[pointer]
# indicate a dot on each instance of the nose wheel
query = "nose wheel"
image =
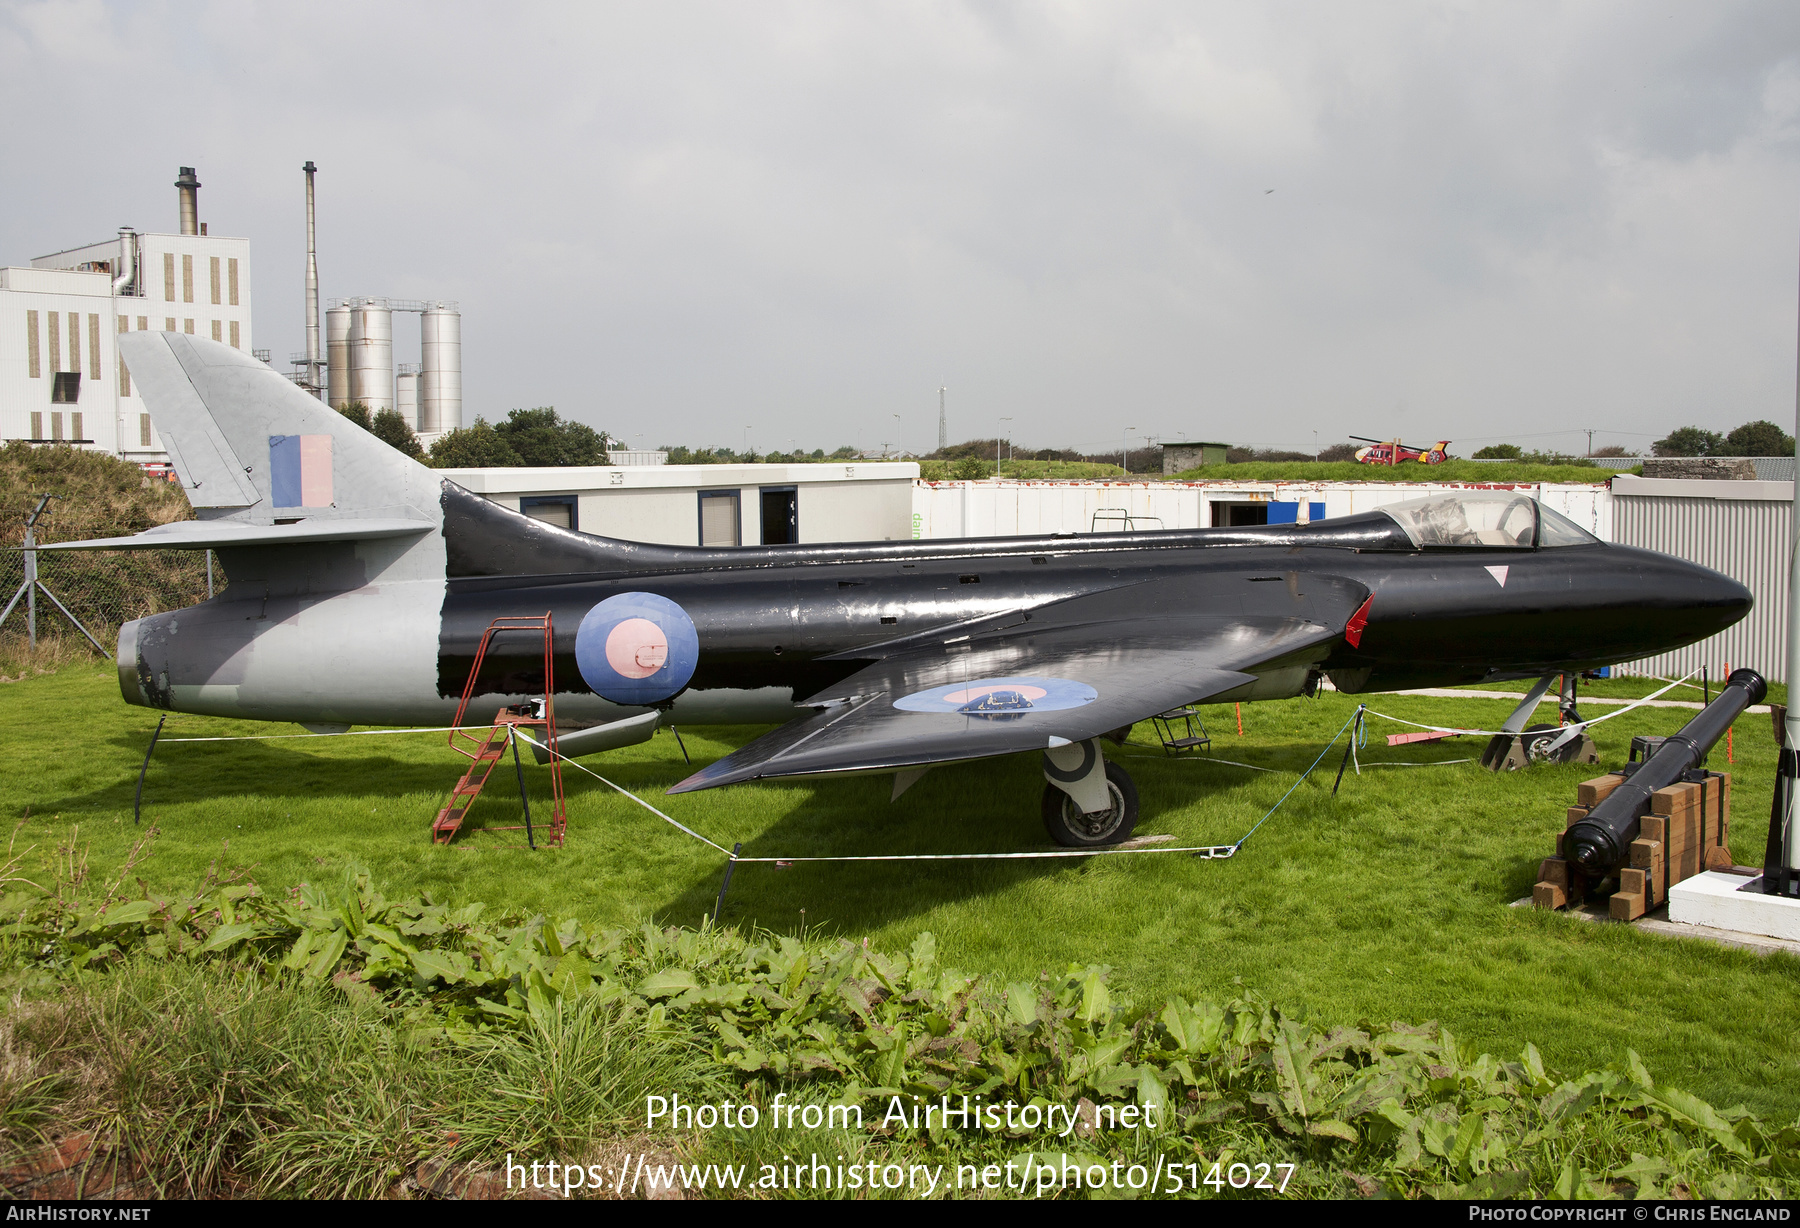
(1069, 826)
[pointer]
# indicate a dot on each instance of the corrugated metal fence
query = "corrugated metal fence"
(1747, 539)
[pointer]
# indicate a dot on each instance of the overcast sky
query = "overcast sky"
(1253, 222)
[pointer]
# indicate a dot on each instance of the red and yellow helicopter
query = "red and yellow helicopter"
(1392, 452)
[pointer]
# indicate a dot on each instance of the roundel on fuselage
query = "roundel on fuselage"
(637, 648)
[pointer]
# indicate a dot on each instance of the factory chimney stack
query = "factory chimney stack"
(312, 289)
(187, 186)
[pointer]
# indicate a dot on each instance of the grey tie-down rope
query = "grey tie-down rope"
(1569, 731)
(1206, 852)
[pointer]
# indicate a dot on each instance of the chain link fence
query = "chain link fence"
(106, 588)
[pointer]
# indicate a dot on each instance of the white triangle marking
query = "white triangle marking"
(1499, 574)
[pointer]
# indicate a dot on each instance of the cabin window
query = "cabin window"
(67, 389)
(558, 510)
(719, 518)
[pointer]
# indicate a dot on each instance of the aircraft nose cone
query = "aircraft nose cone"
(1658, 603)
(1716, 597)
(1700, 602)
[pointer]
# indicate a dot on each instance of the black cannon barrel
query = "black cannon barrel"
(1600, 842)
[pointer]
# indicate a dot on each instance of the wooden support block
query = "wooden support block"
(1624, 906)
(1559, 848)
(1645, 855)
(1593, 792)
(1639, 883)
(1554, 870)
(1679, 798)
(1576, 814)
(1718, 858)
(1550, 895)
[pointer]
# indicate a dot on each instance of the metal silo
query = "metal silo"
(372, 353)
(406, 394)
(337, 356)
(440, 375)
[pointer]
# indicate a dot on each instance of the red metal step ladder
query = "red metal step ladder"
(485, 749)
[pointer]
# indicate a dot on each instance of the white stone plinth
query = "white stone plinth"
(1713, 899)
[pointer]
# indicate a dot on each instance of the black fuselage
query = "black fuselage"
(804, 617)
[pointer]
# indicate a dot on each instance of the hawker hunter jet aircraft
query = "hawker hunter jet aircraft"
(361, 583)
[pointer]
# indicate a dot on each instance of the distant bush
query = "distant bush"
(1500, 451)
(1758, 439)
(472, 447)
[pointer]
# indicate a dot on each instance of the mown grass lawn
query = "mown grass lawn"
(1389, 901)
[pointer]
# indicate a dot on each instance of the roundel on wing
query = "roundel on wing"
(1001, 698)
(637, 648)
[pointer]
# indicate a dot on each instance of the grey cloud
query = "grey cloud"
(681, 220)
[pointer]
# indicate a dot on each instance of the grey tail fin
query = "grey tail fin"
(248, 445)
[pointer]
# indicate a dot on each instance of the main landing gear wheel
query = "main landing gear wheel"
(1536, 740)
(1068, 826)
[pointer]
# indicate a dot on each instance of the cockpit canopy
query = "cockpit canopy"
(1481, 519)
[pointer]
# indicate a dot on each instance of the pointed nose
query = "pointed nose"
(1715, 599)
(1681, 601)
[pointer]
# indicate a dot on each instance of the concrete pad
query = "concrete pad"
(1716, 900)
(1656, 921)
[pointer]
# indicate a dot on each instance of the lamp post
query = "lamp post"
(899, 443)
(1125, 450)
(997, 447)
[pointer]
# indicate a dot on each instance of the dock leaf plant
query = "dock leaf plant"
(327, 1039)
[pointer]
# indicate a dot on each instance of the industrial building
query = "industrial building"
(61, 380)
(357, 364)
(359, 361)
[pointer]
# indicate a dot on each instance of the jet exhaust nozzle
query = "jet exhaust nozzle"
(1598, 844)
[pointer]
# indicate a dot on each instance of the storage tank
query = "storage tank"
(440, 374)
(406, 394)
(372, 353)
(337, 356)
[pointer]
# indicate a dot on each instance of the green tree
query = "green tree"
(1689, 441)
(391, 429)
(970, 469)
(1500, 451)
(387, 426)
(473, 447)
(540, 437)
(1758, 439)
